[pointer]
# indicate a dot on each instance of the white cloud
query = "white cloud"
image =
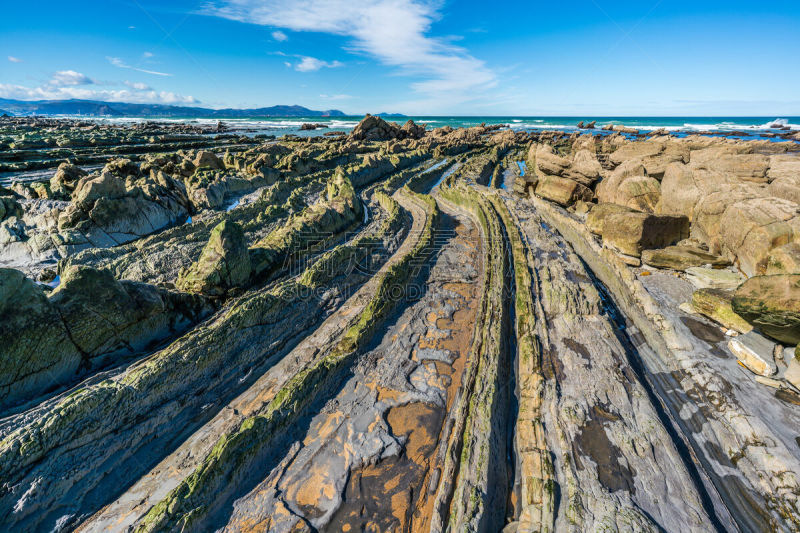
(396, 32)
(311, 64)
(138, 86)
(14, 59)
(280, 36)
(70, 78)
(118, 62)
(335, 96)
(288, 65)
(147, 55)
(50, 92)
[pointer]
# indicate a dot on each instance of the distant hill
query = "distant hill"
(120, 109)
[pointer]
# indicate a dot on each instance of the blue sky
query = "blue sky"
(592, 57)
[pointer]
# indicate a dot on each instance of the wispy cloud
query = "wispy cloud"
(280, 36)
(335, 96)
(64, 78)
(396, 32)
(118, 62)
(311, 64)
(14, 59)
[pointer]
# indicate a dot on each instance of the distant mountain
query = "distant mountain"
(120, 109)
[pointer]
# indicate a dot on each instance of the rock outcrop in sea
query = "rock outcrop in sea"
(398, 329)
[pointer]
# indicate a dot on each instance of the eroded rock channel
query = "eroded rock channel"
(399, 329)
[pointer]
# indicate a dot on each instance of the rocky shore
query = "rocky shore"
(397, 329)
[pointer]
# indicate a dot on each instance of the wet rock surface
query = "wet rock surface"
(400, 329)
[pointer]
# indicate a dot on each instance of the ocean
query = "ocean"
(678, 125)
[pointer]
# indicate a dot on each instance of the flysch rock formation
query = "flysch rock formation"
(397, 329)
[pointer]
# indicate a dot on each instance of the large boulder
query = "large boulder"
(372, 128)
(37, 353)
(65, 180)
(562, 191)
(91, 188)
(89, 321)
(784, 259)
(636, 191)
(783, 167)
(707, 215)
(681, 257)
(786, 186)
(630, 233)
(599, 213)
(750, 229)
(716, 305)
(547, 162)
(739, 166)
(206, 159)
(223, 264)
(772, 305)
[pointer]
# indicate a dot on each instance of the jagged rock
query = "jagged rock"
(772, 305)
(223, 264)
(37, 351)
(632, 232)
(9, 207)
(563, 191)
(205, 159)
(91, 188)
(755, 352)
(712, 278)
(716, 305)
(373, 128)
(88, 321)
(410, 130)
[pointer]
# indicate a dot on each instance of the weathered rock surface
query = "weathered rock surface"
(772, 305)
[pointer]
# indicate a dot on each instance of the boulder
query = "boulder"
(783, 167)
(637, 192)
(562, 191)
(772, 305)
(683, 186)
(681, 257)
(373, 128)
(712, 278)
(223, 264)
(708, 213)
(630, 233)
(750, 229)
(548, 162)
(599, 213)
(90, 188)
(755, 352)
(792, 374)
(716, 305)
(746, 167)
(585, 168)
(410, 130)
(206, 159)
(784, 259)
(37, 353)
(786, 186)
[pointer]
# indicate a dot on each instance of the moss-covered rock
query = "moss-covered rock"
(716, 305)
(772, 305)
(223, 264)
